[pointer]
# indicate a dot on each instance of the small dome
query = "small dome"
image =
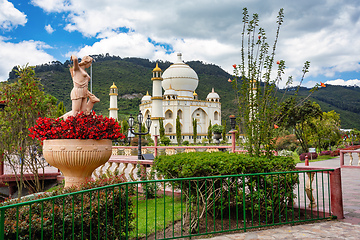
(212, 96)
(113, 86)
(146, 98)
(194, 94)
(170, 92)
(157, 69)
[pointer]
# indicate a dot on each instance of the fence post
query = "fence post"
(233, 142)
(155, 145)
(341, 158)
(336, 193)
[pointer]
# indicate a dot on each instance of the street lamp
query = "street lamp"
(140, 118)
(232, 122)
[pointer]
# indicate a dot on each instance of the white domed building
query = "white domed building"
(179, 83)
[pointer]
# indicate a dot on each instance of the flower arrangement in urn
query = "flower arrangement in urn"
(79, 141)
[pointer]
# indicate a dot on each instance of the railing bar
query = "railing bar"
(155, 210)
(98, 215)
(82, 215)
(272, 199)
(53, 219)
(298, 196)
(120, 208)
(244, 207)
(42, 220)
(259, 200)
(146, 210)
(173, 203)
(30, 219)
(292, 199)
(63, 207)
(286, 199)
(190, 208)
(213, 187)
(266, 215)
(229, 194)
(198, 204)
(127, 212)
(90, 214)
(113, 210)
(237, 204)
(252, 200)
(206, 215)
(278, 194)
(17, 222)
(164, 208)
(106, 213)
(221, 198)
(181, 205)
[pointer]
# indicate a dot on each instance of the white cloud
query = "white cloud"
(342, 82)
(10, 17)
(49, 29)
(13, 54)
(52, 5)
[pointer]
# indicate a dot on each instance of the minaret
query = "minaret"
(113, 110)
(157, 100)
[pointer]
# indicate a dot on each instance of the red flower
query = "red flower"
(322, 84)
(229, 80)
(276, 126)
(259, 37)
(278, 62)
(234, 65)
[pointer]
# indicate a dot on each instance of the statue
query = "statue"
(80, 92)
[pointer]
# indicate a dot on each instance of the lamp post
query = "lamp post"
(140, 119)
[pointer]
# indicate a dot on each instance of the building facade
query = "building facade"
(179, 83)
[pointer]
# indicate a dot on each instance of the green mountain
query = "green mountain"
(132, 77)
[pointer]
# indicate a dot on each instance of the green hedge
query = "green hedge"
(99, 213)
(266, 196)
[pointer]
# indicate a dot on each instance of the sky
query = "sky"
(324, 32)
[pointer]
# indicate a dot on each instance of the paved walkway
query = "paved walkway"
(348, 228)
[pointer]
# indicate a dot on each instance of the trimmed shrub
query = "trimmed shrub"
(335, 153)
(165, 140)
(327, 152)
(76, 216)
(310, 156)
(260, 191)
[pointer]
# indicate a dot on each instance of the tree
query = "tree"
(61, 110)
(194, 123)
(224, 130)
(300, 118)
(209, 133)
(256, 89)
(25, 102)
(178, 130)
(125, 129)
(161, 128)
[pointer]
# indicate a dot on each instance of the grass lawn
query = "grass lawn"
(153, 215)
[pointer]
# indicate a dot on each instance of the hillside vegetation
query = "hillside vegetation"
(132, 77)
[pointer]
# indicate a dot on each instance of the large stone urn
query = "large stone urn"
(77, 158)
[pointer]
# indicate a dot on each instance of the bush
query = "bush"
(165, 140)
(325, 153)
(69, 214)
(335, 153)
(258, 188)
(186, 143)
(310, 156)
(217, 128)
(288, 142)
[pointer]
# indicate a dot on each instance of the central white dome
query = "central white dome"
(182, 78)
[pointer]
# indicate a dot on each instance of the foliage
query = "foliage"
(82, 126)
(148, 188)
(309, 155)
(217, 128)
(25, 102)
(165, 140)
(178, 130)
(194, 125)
(66, 215)
(186, 143)
(223, 133)
(253, 188)
(299, 117)
(61, 110)
(287, 142)
(209, 133)
(285, 153)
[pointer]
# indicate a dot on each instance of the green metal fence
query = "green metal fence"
(173, 208)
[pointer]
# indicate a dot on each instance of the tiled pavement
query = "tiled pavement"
(348, 228)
